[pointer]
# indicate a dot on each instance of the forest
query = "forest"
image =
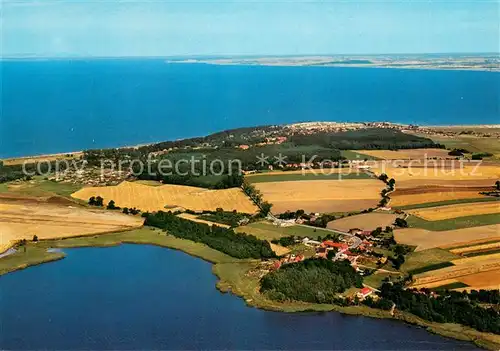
(312, 280)
(238, 245)
(446, 307)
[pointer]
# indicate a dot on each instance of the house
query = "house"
(244, 147)
(365, 233)
(331, 244)
(354, 231)
(363, 293)
(276, 265)
(309, 242)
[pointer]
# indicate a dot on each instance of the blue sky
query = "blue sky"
(167, 28)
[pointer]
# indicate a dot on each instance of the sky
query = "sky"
(97, 28)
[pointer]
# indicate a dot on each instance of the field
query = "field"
(470, 143)
(268, 231)
(454, 174)
(322, 195)
(21, 218)
(421, 259)
(366, 221)
(476, 248)
(426, 194)
(42, 158)
(40, 188)
(327, 174)
(457, 210)
(195, 218)
(476, 272)
(413, 154)
(426, 239)
(454, 223)
(155, 198)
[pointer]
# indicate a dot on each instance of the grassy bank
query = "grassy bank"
(236, 276)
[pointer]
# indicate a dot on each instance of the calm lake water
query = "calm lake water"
(63, 105)
(146, 297)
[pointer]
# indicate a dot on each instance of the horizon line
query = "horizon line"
(76, 56)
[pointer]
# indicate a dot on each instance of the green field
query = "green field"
(418, 259)
(470, 143)
(448, 202)
(355, 155)
(482, 253)
(40, 187)
(284, 177)
(454, 223)
(268, 231)
(431, 267)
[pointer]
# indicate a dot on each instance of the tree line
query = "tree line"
(238, 245)
(446, 307)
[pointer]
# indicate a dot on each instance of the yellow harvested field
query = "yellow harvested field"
(155, 198)
(444, 195)
(426, 239)
(476, 248)
(458, 210)
(484, 280)
(410, 154)
(475, 259)
(434, 284)
(448, 175)
(322, 195)
(344, 170)
(279, 250)
(23, 219)
(194, 218)
(365, 221)
(462, 268)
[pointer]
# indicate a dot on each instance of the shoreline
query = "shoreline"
(231, 278)
(63, 155)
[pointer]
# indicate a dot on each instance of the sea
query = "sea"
(52, 106)
(141, 297)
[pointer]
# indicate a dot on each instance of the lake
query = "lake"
(146, 297)
(51, 106)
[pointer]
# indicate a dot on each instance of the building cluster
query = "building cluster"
(92, 176)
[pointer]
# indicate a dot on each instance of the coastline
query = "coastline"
(75, 154)
(232, 278)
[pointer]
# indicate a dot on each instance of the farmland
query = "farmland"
(477, 272)
(426, 239)
(436, 194)
(267, 231)
(457, 210)
(327, 174)
(366, 221)
(454, 223)
(406, 154)
(22, 218)
(445, 175)
(155, 198)
(322, 195)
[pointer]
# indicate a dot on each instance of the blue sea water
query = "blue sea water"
(135, 297)
(68, 105)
